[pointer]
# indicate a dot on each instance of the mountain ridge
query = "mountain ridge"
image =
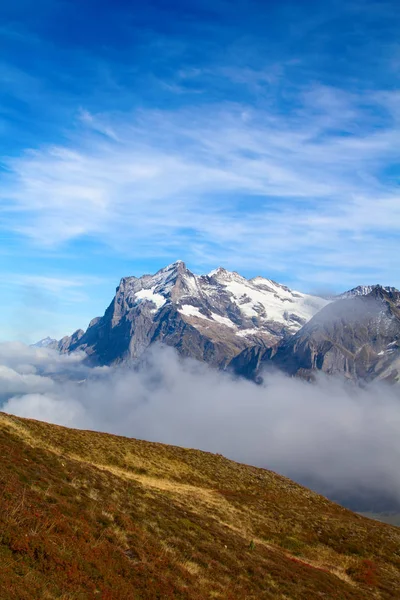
(210, 317)
(228, 321)
(357, 337)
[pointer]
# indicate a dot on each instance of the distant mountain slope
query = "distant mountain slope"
(46, 342)
(358, 337)
(87, 515)
(209, 317)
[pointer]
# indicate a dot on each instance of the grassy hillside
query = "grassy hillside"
(87, 515)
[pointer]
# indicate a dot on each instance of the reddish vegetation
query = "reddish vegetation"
(365, 572)
(86, 515)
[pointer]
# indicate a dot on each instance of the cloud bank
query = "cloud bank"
(342, 440)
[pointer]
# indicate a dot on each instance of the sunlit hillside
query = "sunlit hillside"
(88, 515)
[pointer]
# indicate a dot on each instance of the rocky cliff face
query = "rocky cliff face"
(209, 317)
(358, 337)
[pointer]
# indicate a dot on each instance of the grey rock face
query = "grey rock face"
(70, 341)
(250, 362)
(209, 317)
(358, 337)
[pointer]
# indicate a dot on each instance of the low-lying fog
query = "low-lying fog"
(341, 439)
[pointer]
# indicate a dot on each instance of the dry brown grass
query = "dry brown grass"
(131, 519)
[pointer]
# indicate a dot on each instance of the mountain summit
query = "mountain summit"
(210, 317)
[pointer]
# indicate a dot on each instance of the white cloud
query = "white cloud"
(46, 406)
(344, 437)
(14, 382)
(20, 357)
(243, 184)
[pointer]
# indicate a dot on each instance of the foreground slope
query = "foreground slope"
(208, 317)
(90, 515)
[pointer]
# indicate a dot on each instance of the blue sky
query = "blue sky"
(260, 136)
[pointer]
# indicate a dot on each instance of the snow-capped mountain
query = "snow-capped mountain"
(211, 317)
(46, 342)
(357, 337)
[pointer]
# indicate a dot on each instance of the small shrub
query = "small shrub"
(365, 572)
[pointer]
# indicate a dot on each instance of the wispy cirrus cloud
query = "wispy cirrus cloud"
(230, 180)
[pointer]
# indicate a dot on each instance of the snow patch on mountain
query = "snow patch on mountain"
(223, 320)
(192, 311)
(151, 296)
(264, 299)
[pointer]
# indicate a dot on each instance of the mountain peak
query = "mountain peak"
(222, 274)
(364, 290)
(177, 265)
(176, 268)
(46, 342)
(217, 271)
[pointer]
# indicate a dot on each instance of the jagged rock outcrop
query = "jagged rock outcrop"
(209, 317)
(70, 341)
